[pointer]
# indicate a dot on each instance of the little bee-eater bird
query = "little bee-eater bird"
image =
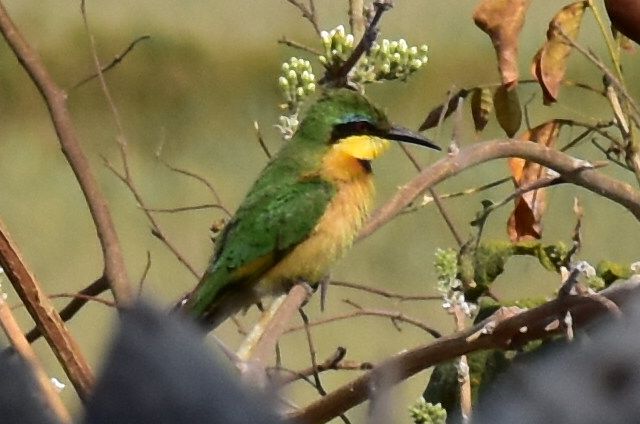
(303, 211)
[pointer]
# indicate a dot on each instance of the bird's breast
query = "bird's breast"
(331, 237)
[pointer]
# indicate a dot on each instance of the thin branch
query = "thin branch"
(384, 293)
(335, 362)
(393, 315)
(96, 299)
(265, 149)
(572, 170)
(45, 316)
(497, 332)
(116, 60)
(186, 208)
(196, 177)
(156, 230)
(79, 300)
(23, 348)
(620, 87)
(296, 45)
(145, 271)
(55, 99)
(309, 13)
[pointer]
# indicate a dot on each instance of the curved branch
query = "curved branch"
(572, 170)
(507, 333)
(56, 101)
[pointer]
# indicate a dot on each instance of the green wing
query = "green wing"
(270, 222)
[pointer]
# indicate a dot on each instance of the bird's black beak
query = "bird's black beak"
(407, 136)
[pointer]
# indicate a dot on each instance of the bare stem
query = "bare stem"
(55, 99)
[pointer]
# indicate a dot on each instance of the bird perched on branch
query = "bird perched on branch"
(303, 211)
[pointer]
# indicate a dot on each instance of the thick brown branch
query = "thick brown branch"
(508, 332)
(55, 99)
(571, 169)
(45, 316)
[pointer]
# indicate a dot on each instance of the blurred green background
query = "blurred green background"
(208, 71)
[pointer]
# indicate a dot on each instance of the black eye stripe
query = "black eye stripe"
(352, 128)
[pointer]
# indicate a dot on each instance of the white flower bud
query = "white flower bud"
(300, 92)
(424, 48)
(311, 87)
(349, 40)
(285, 67)
(282, 82)
(292, 75)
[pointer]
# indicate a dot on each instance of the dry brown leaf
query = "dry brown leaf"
(481, 107)
(525, 220)
(433, 118)
(550, 63)
(508, 111)
(502, 20)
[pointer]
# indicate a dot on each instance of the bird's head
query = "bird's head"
(345, 123)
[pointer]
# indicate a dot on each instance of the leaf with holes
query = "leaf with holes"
(508, 110)
(502, 20)
(550, 62)
(525, 220)
(481, 107)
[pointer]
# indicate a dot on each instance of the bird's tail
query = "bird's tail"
(209, 303)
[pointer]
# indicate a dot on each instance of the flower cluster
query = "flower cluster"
(338, 46)
(388, 60)
(424, 412)
(296, 82)
(449, 285)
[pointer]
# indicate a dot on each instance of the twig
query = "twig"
(572, 170)
(603, 68)
(55, 99)
(393, 315)
(493, 333)
(79, 300)
(116, 60)
(156, 230)
(199, 178)
(532, 186)
(186, 208)
(436, 199)
(309, 13)
(83, 297)
(384, 293)
(23, 348)
(266, 151)
(294, 44)
(312, 353)
(145, 271)
(45, 316)
(334, 362)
